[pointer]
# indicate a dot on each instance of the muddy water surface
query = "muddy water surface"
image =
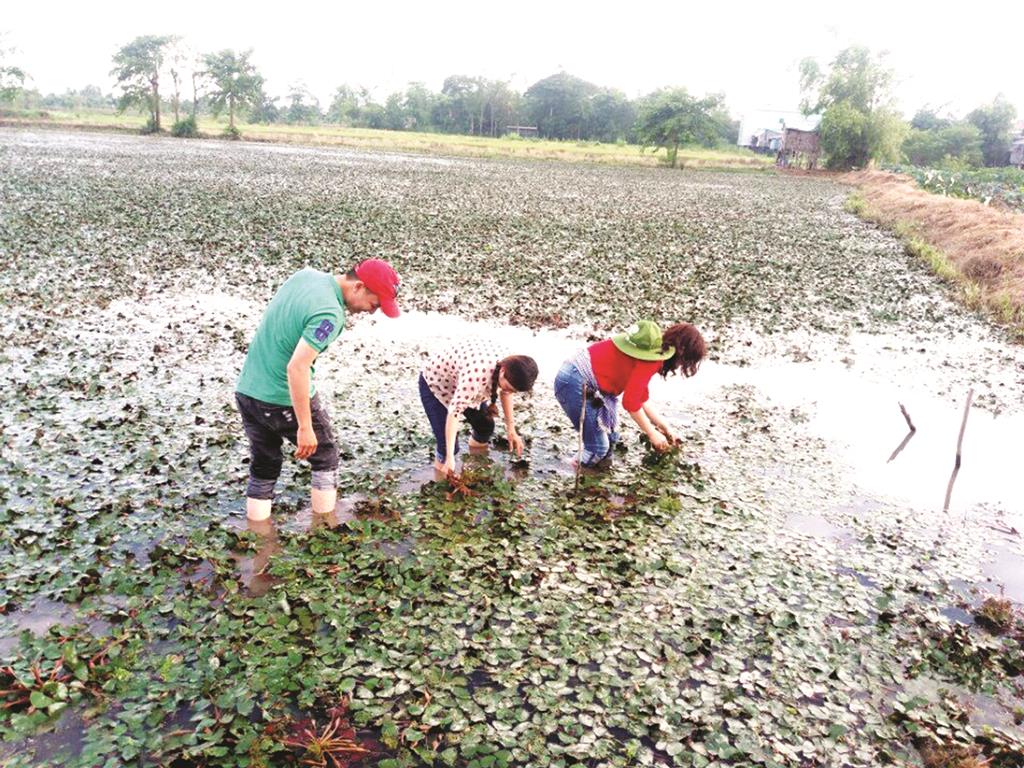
(845, 398)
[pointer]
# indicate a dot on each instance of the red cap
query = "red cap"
(381, 278)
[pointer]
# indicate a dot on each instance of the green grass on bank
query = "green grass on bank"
(417, 142)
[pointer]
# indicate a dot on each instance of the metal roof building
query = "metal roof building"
(754, 124)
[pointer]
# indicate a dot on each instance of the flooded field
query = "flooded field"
(789, 589)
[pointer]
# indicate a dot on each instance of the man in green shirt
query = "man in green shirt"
(275, 391)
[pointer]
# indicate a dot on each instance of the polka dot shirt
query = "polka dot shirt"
(460, 374)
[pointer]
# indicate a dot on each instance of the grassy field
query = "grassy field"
(773, 594)
(433, 143)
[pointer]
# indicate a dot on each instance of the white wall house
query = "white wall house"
(757, 127)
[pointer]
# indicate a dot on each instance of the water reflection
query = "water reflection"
(252, 570)
(860, 419)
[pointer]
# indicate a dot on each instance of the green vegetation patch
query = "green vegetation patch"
(662, 614)
(1002, 186)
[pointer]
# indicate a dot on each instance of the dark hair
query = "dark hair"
(520, 371)
(690, 349)
(351, 274)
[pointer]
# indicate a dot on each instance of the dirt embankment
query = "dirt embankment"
(978, 247)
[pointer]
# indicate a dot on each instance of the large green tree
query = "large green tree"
(949, 142)
(560, 106)
(234, 83)
(345, 106)
(612, 116)
(500, 107)
(927, 119)
(303, 106)
(394, 112)
(859, 123)
(418, 107)
(355, 107)
(671, 118)
(995, 122)
(266, 110)
(12, 78)
(137, 68)
(474, 105)
(458, 105)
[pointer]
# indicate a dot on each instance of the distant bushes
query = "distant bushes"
(185, 128)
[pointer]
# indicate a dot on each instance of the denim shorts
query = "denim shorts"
(267, 426)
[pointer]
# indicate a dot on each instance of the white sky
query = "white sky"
(951, 57)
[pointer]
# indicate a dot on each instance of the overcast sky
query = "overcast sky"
(950, 59)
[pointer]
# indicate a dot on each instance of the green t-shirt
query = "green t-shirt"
(308, 306)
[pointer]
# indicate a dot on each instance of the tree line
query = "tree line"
(859, 126)
(158, 74)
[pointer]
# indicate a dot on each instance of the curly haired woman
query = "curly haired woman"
(622, 367)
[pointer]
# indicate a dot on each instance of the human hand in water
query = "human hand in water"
(659, 443)
(671, 437)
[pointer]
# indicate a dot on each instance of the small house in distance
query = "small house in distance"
(763, 130)
(1017, 153)
(766, 142)
(799, 148)
(1017, 146)
(522, 131)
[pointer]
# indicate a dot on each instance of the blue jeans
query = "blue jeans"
(437, 415)
(597, 444)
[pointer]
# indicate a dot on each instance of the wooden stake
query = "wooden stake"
(909, 434)
(579, 454)
(959, 448)
(907, 417)
(902, 445)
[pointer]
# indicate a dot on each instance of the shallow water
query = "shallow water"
(781, 517)
(64, 739)
(39, 617)
(859, 417)
(850, 411)
(820, 528)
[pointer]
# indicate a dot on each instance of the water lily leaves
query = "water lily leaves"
(662, 613)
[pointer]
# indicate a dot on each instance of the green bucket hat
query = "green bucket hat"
(643, 341)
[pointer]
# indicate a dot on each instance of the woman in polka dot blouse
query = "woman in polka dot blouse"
(469, 375)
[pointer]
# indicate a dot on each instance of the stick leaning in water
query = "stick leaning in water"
(910, 434)
(579, 453)
(959, 448)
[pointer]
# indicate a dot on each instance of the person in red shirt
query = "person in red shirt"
(621, 368)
